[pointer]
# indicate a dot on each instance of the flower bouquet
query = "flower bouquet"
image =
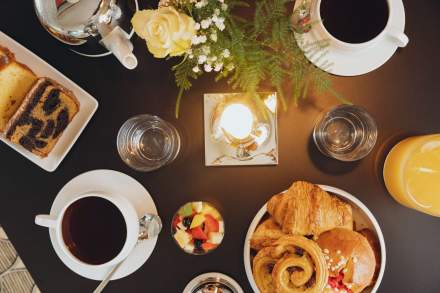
(215, 36)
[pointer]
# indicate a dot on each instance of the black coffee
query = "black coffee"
(94, 230)
(354, 21)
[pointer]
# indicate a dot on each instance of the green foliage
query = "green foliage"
(183, 73)
(265, 53)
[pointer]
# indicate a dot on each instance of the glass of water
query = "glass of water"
(146, 142)
(346, 133)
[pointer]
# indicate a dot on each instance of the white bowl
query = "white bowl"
(361, 215)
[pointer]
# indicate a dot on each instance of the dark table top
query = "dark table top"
(402, 95)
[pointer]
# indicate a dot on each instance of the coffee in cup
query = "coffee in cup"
(354, 21)
(357, 24)
(94, 230)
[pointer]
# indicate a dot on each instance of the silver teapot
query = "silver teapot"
(92, 28)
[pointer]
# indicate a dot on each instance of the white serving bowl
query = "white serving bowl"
(362, 216)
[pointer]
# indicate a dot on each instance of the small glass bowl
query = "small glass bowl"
(198, 228)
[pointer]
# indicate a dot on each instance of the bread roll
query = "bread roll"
(350, 259)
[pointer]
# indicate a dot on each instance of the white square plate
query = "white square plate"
(222, 154)
(88, 106)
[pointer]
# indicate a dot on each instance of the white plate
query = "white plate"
(346, 63)
(88, 106)
(111, 182)
(361, 215)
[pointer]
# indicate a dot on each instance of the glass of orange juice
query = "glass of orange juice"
(412, 173)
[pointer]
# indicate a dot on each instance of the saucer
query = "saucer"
(112, 182)
(339, 61)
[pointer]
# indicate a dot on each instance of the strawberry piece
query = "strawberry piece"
(197, 233)
(208, 246)
(211, 224)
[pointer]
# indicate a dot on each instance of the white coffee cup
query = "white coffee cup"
(125, 207)
(390, 33)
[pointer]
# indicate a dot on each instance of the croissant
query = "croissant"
(306, 209)
(265, 234)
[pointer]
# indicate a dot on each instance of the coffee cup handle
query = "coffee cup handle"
(45, 221)
(397, 37)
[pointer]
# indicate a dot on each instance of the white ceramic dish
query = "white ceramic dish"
(88, 106)
(362, 217)
(108, 182)
(346, 60)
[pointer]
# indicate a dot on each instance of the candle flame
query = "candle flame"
(237, 120)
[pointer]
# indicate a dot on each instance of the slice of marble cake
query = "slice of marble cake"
(46, 111)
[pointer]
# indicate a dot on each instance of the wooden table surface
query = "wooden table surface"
(402, 95)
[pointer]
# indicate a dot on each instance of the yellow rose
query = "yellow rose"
(166, 31)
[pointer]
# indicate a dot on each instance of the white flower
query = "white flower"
(224, 6)
(217, 11)
(226, 53)
(196, 69)
(201, 4)
(214, 37)
(202, 59)
(218, 67)
(167, 31)
(208, 68)
(190, 56)
(206, 23)
(197, 26)
(202, 39)
(220, 23)
(221, 1)
(195, 40)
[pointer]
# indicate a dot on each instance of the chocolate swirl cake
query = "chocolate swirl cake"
(45, 112)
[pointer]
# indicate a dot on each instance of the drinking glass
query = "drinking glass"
(346, 133)
(146, 142)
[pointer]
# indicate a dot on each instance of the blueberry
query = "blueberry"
(198, 244)
(187, 222)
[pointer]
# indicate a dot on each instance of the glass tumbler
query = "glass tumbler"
(146, 142)
(346, 133)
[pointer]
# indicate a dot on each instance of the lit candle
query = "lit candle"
(237, 120)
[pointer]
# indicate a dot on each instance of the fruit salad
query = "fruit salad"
(198, 228)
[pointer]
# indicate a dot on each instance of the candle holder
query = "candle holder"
(240, 130)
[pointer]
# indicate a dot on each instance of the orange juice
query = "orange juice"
(412, 173)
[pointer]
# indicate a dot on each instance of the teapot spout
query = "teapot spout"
(118, 42)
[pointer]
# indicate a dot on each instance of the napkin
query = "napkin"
(14, 277)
